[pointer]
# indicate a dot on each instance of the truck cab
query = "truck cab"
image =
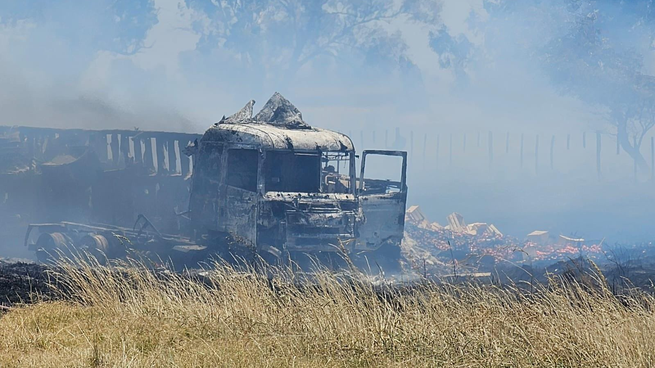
(272, 184)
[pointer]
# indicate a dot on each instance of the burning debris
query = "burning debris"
(479, 246)
(471, 247)
(544, 248)
(539, 237)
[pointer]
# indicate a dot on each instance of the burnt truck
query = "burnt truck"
(262, 186)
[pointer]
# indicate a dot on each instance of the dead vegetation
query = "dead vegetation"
(131, 316)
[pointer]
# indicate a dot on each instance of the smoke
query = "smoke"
(467, 72)
(454, 71)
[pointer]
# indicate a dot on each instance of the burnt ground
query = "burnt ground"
(22, 283)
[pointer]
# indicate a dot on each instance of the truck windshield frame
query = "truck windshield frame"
(338, 172)
(242, 168)
(294, 171)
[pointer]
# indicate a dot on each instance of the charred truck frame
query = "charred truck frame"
(268, 185)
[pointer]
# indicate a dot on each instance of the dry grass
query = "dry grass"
(138, 318)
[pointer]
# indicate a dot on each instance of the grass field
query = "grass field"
(137, 318)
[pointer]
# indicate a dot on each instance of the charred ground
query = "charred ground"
(22, 283)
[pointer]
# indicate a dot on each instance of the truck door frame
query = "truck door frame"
(403, 175)
(383, 213)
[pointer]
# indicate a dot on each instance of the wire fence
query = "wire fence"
(590, 155)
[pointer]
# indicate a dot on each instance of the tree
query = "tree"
(119, 26)
(292, 33)
(595, 50)
(454, 52)
(593, 62)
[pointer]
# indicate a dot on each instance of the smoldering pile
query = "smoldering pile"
(481, 246)
(474, 246)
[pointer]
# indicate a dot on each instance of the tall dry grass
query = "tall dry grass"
(134, 317)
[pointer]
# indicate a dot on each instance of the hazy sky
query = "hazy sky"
(60, 65)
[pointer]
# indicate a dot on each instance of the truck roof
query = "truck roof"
(278, 125)
(272, 137)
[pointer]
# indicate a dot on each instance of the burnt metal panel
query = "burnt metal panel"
(268, 136)
(319, 229)
(115, 155)
(382, 220)
(241, 215)
(205, 189)
(172, 157)
(160, 145)
(148, 158)
(185, 165)
(125, 148)
(138, 151)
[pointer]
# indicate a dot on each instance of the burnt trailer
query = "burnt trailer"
(269, 186)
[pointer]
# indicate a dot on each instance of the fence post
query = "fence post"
(634, 142)
(491, 148)
(425, 143)
(536, 156)
(522, 150)
(598, 149)
(552, 149)
(411, 143)
(437, 157)
(450, 150)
